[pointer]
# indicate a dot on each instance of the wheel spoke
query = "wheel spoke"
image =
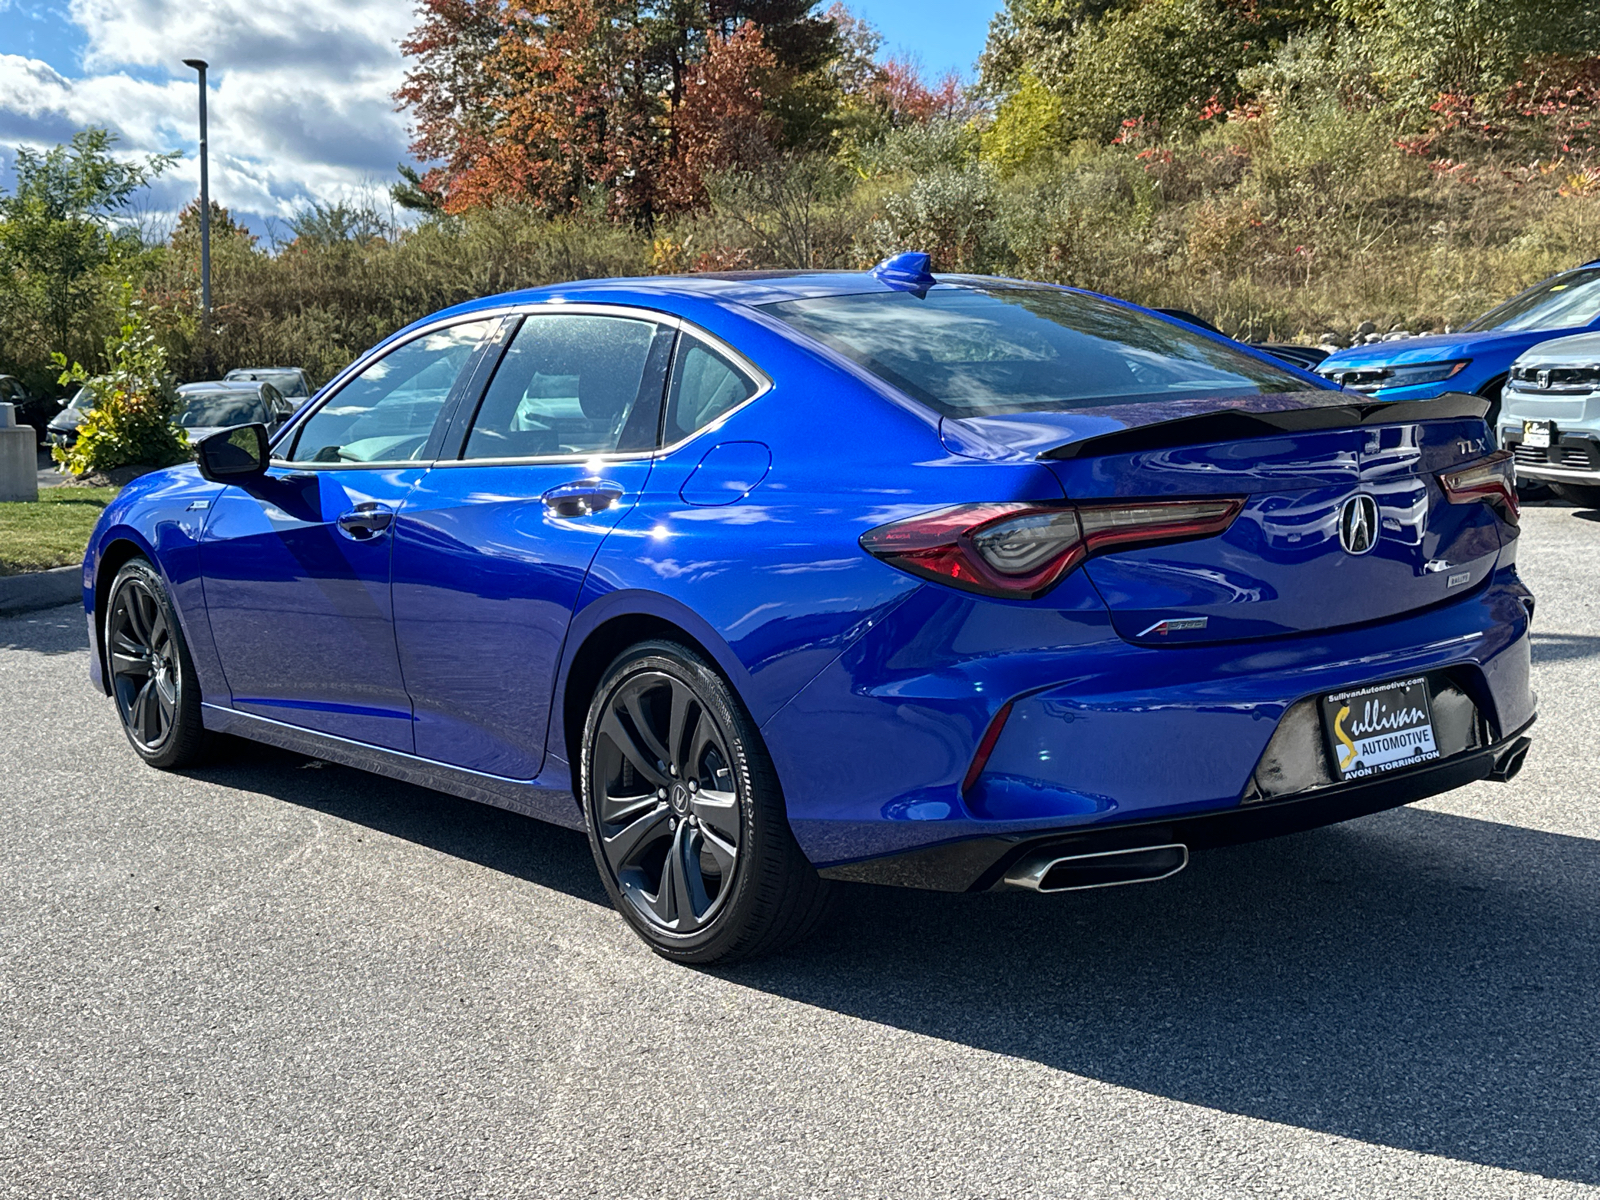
(718, 811)
(129, 664)
(143, 714)
(643, 761)
(122, 643)
(624, 846)
(705, 735)
(689, 886)
(632, 702)
(682, 701)
(722, 853)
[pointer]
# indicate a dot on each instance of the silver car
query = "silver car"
(1550, 416)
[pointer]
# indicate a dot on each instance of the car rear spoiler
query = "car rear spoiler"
(1232, 425)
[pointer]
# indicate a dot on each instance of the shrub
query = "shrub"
(131, 422)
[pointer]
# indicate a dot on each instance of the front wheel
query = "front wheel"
(152, 676)
(685, 815)
(1584, 495)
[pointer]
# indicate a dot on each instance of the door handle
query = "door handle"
(366, 520)
(582, 497)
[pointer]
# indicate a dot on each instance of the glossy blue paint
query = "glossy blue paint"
(300, 611)
(728, 473)
(485, 580)
(443, 650)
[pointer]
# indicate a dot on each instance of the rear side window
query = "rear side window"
(386, 413)
(970, 352)
(574, 384)
(704, 386)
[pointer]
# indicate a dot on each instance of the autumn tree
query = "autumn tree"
(556, 101)
(720, 123)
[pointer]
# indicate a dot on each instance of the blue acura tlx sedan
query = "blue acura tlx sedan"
(771, 580)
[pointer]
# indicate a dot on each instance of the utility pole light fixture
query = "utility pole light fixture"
(199, 64)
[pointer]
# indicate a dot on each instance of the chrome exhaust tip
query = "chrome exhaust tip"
(1055, 872)
(1510, 763)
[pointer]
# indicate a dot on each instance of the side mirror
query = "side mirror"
(233, 455)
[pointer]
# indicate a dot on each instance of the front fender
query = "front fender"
(160, 517)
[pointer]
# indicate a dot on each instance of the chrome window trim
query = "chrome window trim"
(762, 380)
(337, 384)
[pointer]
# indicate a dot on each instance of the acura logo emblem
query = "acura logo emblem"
(1544, 379)
(1358, 524)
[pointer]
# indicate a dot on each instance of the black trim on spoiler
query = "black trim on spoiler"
(1232, 425)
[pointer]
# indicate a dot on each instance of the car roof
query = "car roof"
(726, 287)
(249, 387)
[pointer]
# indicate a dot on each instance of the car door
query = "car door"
(296, 564)
(493, 546)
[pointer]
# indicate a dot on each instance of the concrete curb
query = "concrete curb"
(40, 589)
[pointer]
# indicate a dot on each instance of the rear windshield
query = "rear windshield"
(1568, 301)
(967, 352)
(221, 410)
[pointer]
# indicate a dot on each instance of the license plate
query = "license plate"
(1381, 728)
(1541, 435)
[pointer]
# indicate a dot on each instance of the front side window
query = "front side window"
(574, 383)
(1568, 301)
(386, 413)
(970, 352)
(704, 386)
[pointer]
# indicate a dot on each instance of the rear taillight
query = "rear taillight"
(1022, 550)
(1492, 480)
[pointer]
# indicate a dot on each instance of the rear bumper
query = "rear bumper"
(1575, 458)
(874, 753)
(978, 864)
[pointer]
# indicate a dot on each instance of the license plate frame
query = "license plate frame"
(1380, 728)
(1540, 435)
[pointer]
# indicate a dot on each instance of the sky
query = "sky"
(299, 106)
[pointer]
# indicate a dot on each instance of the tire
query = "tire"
(692, 842)
(1583, 495)
(152, 675)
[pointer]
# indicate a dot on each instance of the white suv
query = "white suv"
(1550, 416)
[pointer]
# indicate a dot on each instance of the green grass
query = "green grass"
(51, 532)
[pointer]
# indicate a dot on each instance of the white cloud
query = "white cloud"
(300, 101)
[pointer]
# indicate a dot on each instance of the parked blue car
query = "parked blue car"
(771, 580)
(1478, 357)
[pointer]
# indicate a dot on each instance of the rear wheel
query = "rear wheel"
(152, 676)
(685, 816)
(1581, 494)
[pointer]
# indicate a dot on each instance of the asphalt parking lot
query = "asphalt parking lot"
(273, 978)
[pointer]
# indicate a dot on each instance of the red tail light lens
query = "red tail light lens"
(1022, 550)
(1491, 480)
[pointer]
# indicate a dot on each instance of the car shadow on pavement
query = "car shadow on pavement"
(1414, 979)
(502, 841)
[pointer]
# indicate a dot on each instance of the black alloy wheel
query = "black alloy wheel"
(152, 677)
(685, 816)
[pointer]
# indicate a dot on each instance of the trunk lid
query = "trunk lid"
(1281, 567)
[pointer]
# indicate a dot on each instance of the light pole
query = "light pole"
(199, 64)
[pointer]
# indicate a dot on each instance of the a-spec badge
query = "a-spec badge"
(1175, 625)
(1358, 524)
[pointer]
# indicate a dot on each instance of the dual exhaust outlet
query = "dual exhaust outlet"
(1053, 871)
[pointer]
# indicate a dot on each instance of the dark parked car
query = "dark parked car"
(290, 381)
(208, 407)
(31, 409)
(62, 429)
